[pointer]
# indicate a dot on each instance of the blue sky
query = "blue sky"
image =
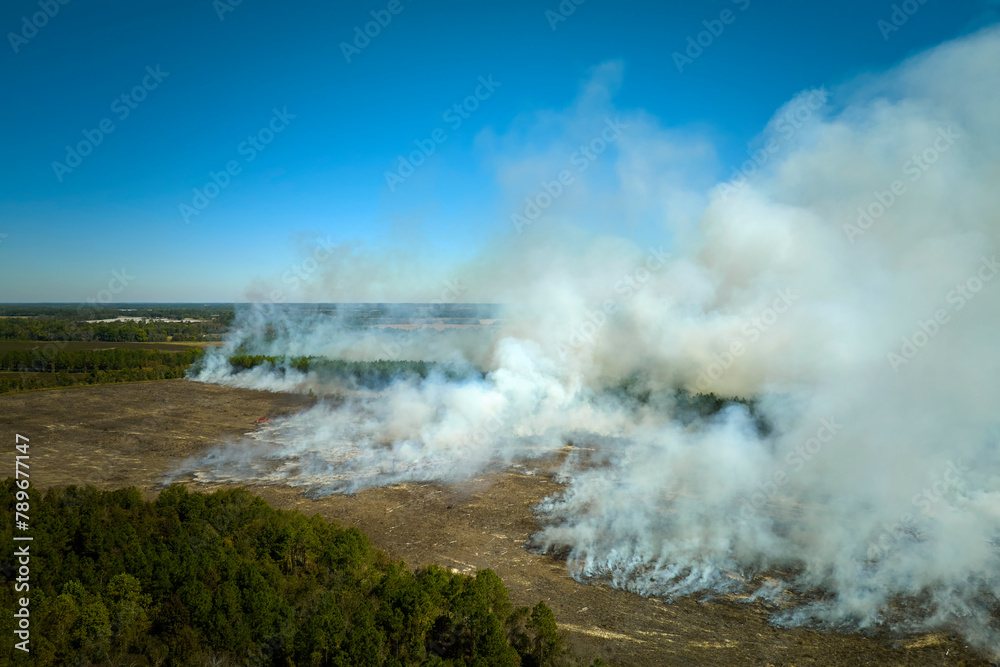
(224, 69)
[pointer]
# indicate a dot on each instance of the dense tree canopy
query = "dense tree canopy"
(48, 329)
(31, 369)
(226, 579)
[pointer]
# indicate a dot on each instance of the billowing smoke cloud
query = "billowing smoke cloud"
(843, 278)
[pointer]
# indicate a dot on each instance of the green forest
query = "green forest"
(44, 346)
(225, 579)
(49, 328)
(85, 361)
(28, 369)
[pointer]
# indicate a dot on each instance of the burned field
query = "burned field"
(135, 434)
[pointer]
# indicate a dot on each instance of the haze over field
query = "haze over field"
(845, 286)
(711, 287)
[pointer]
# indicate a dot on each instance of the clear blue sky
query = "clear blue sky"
(324, 173)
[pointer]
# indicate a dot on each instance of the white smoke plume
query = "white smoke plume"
(844, 281)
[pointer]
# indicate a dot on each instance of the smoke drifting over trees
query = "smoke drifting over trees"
(845, 284)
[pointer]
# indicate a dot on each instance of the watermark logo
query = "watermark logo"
(122, 106)
(952, 479)
(581, 159)
(958, 297)
(752, 330)
(796, 460)
(696, 44)
(455, 115)
(901, 13)
(223, 7)
(372, 29)
(565, 9)
(786, 126)
(249, 149)
(595, 319)
(38, 20)
(915, 168)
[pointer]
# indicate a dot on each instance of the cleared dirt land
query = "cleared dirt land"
(132, 434)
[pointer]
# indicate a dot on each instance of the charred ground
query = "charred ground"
(132, 434)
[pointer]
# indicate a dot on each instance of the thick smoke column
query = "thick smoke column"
(847, 285)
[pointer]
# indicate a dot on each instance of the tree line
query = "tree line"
(83, 361)
(66, 368)
(224, 578)
(98, 311)
(45, 329)
(370, 374)
(685, 406)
